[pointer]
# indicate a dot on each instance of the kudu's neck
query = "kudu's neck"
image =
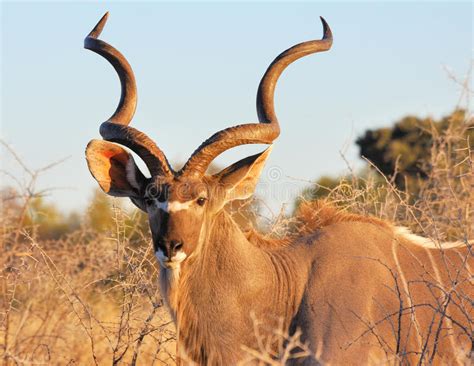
(225, 283)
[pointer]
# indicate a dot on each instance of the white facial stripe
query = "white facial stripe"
(173, 206)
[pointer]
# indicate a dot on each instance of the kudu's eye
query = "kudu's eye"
(201, 201)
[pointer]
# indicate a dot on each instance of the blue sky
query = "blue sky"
(198, 66)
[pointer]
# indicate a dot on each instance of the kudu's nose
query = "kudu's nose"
(174, 247)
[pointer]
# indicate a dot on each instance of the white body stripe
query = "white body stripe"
(426, 242)
(395, 248)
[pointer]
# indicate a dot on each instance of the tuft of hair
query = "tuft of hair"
(314, 215)
(311, 216)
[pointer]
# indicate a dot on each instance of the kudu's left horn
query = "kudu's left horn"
(116, 128)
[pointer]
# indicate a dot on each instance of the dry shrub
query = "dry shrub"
(84, 299)
(275, 347)
(440, 206)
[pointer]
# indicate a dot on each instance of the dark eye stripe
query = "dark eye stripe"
(149, 201)
(164, 222)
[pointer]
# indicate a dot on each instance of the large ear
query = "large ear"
(240, 179)
(114, 169)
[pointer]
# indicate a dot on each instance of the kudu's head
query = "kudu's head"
(181, 204)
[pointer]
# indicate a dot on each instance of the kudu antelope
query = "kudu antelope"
(360, 289)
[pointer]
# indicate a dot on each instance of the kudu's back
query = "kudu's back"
(378, 295)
